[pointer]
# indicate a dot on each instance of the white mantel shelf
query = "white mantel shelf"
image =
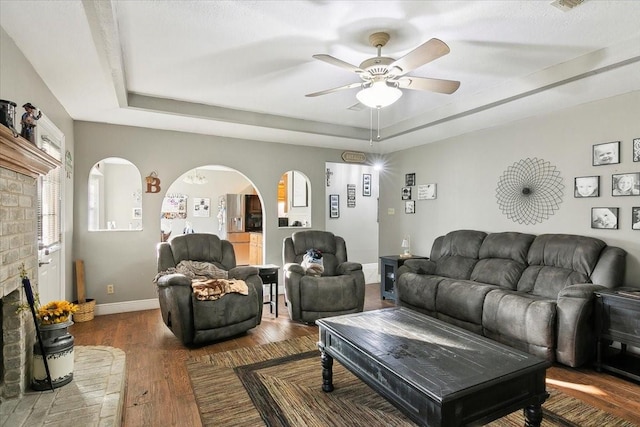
(19, 155)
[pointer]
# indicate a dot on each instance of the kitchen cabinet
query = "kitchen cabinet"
(255, 249)
(240, 242)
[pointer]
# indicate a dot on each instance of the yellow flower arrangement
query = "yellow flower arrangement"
(56, 312)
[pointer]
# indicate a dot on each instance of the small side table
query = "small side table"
(618, 319)
(269, 275)
(389, 265)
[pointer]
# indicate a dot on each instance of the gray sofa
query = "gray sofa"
(197, 322)
(534, 293)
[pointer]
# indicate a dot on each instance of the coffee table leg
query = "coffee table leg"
(532, 415)
(327, 371)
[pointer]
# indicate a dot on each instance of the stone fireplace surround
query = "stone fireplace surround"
(21, 162)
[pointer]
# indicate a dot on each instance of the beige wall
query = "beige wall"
(466, 170)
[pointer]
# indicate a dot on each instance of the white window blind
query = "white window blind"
(49, 197)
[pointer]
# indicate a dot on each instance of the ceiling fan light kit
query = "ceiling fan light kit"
(379, 95)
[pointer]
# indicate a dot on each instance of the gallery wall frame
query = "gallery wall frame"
(625, 184)
(606, 153)
(334, 206)
(406, 193)
(410, 179)
(636, 149)
(586, 186)
(366, 184)
(427, 191)
(410, 207)
(351, 195)
(605, 217)
(635, 218)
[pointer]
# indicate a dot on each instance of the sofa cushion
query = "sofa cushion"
(459, 253)
(462, 299)
(559, 260)
(577, 253)
(328, 294)
(502, 259)
(464, 243)
(524, 321)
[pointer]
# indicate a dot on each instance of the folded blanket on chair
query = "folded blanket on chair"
(213, 289)
(195, 270)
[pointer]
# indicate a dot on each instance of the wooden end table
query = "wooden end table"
(389, 265)
(618, 320)
(269, 275)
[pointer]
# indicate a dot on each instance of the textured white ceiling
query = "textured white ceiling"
(242, 68)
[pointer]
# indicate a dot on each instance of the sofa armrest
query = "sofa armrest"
(349, 267)
(417, 266)
(575, 323)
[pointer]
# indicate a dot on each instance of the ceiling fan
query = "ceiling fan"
(383, 77)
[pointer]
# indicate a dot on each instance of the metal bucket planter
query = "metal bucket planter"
(58, 346)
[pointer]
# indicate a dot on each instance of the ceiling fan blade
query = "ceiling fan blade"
(426, 52)
(433, 85)
(339, 63)
(324, 92)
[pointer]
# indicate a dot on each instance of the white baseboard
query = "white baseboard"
(126, 306)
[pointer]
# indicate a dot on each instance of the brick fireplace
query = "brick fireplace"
(21, 163)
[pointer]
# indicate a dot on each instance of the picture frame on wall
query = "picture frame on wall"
(410, 179)
(201, 207)
(427, 191)
(334, 206)
(137, 213)
(366, 184)
(410, 207)
(636, 149)
(607, 153)
(604, 218)
(625, 184)
(406, 193)
(586, 186)
(635, 218)
(351, 195)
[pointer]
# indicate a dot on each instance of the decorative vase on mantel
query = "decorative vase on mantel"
(58, 345)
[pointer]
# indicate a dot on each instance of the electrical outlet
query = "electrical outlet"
(110, 289)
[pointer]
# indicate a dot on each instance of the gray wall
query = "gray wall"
(127, 259)
(466, 170)
(20, 83)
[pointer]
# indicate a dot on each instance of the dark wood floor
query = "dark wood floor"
(159, 393)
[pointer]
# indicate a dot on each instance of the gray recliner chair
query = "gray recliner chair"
(339, 290)
(197, 322)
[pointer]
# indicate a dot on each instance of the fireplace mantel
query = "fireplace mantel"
(19, 155)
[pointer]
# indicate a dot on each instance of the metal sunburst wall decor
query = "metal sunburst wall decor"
(530, 191)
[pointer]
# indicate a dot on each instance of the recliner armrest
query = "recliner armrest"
(175, 279)
(580, 290)
(243, 272)
(293, 267)
(349, 267)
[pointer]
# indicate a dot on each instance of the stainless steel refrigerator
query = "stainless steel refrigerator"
(233, 228)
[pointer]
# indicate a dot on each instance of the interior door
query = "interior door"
(51, 256)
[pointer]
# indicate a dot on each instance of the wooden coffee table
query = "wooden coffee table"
(435, 373)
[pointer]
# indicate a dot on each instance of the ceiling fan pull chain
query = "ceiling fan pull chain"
(378, 123)
(370, 127)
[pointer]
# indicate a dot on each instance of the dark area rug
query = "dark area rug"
(279, 384)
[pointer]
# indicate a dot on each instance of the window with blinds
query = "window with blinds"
(49, 198)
